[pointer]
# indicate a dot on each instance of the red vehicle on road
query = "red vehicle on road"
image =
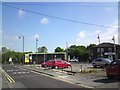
(113, 70)
(56, 64)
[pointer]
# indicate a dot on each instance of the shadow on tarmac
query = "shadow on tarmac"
(106, 80)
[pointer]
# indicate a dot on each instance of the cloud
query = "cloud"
(33, 37)
(81, 34)
(21, 13)
(106, 35)
(36, 36)
(44, 21)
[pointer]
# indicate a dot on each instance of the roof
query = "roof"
(50, 53)
(106, 45)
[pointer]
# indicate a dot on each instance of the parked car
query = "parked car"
(73, 60)
(56, 64)
(113, 70)
(102, 62)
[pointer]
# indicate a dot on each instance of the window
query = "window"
(99, 60)
(109, 49)
(98, 49)
(102, 49)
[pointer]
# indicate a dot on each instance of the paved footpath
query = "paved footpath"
(88, 80)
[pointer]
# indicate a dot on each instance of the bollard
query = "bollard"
(81, 68)
(62, 68)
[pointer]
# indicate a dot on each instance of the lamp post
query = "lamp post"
(98, 39)
(23, 44)
(44, 56)
(99, 44)
(114, 46)
(67, 51)
(36, 48)
(36, 44)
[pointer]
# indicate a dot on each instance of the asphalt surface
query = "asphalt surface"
(29, 79)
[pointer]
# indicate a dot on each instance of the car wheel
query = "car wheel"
(106, 65)
(94, 66)
(56, 67)
(45, 66)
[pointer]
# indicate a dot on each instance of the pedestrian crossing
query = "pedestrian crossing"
(17, 71)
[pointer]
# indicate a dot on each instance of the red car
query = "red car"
(56, 64)
(113, 70)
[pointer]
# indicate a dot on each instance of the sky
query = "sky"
(55, 23)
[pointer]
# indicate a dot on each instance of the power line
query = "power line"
(62, 3)
(60, 18)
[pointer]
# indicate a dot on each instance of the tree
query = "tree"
(42, 49)
(90, 51)
(90, 47)
(59, 49)
(7, 53)
(4, 50)
(79, 52)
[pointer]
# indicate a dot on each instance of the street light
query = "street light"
(98, 39)
(99, 44)
(36, 47)
(67, 51)
(36, 44)
(114, 46)
(23, 43)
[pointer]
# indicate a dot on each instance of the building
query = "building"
(39, 58)
(106, 50)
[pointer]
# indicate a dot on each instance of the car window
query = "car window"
(99, 60)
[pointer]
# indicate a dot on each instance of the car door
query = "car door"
(49, 63)
(60, 64)
(99, 62)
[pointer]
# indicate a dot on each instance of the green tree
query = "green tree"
(4, 50)
(59, 49)
(90, 51)
(42, 49)
(17, 57)
(79, 52)
(90, 47)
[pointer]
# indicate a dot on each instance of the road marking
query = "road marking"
(61, 76)
(35, 72)
(14, 73)
(16, 70)
(10, 79)
(20, 72)
(9, 70)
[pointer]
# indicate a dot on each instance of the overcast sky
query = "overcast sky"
(51, 32)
